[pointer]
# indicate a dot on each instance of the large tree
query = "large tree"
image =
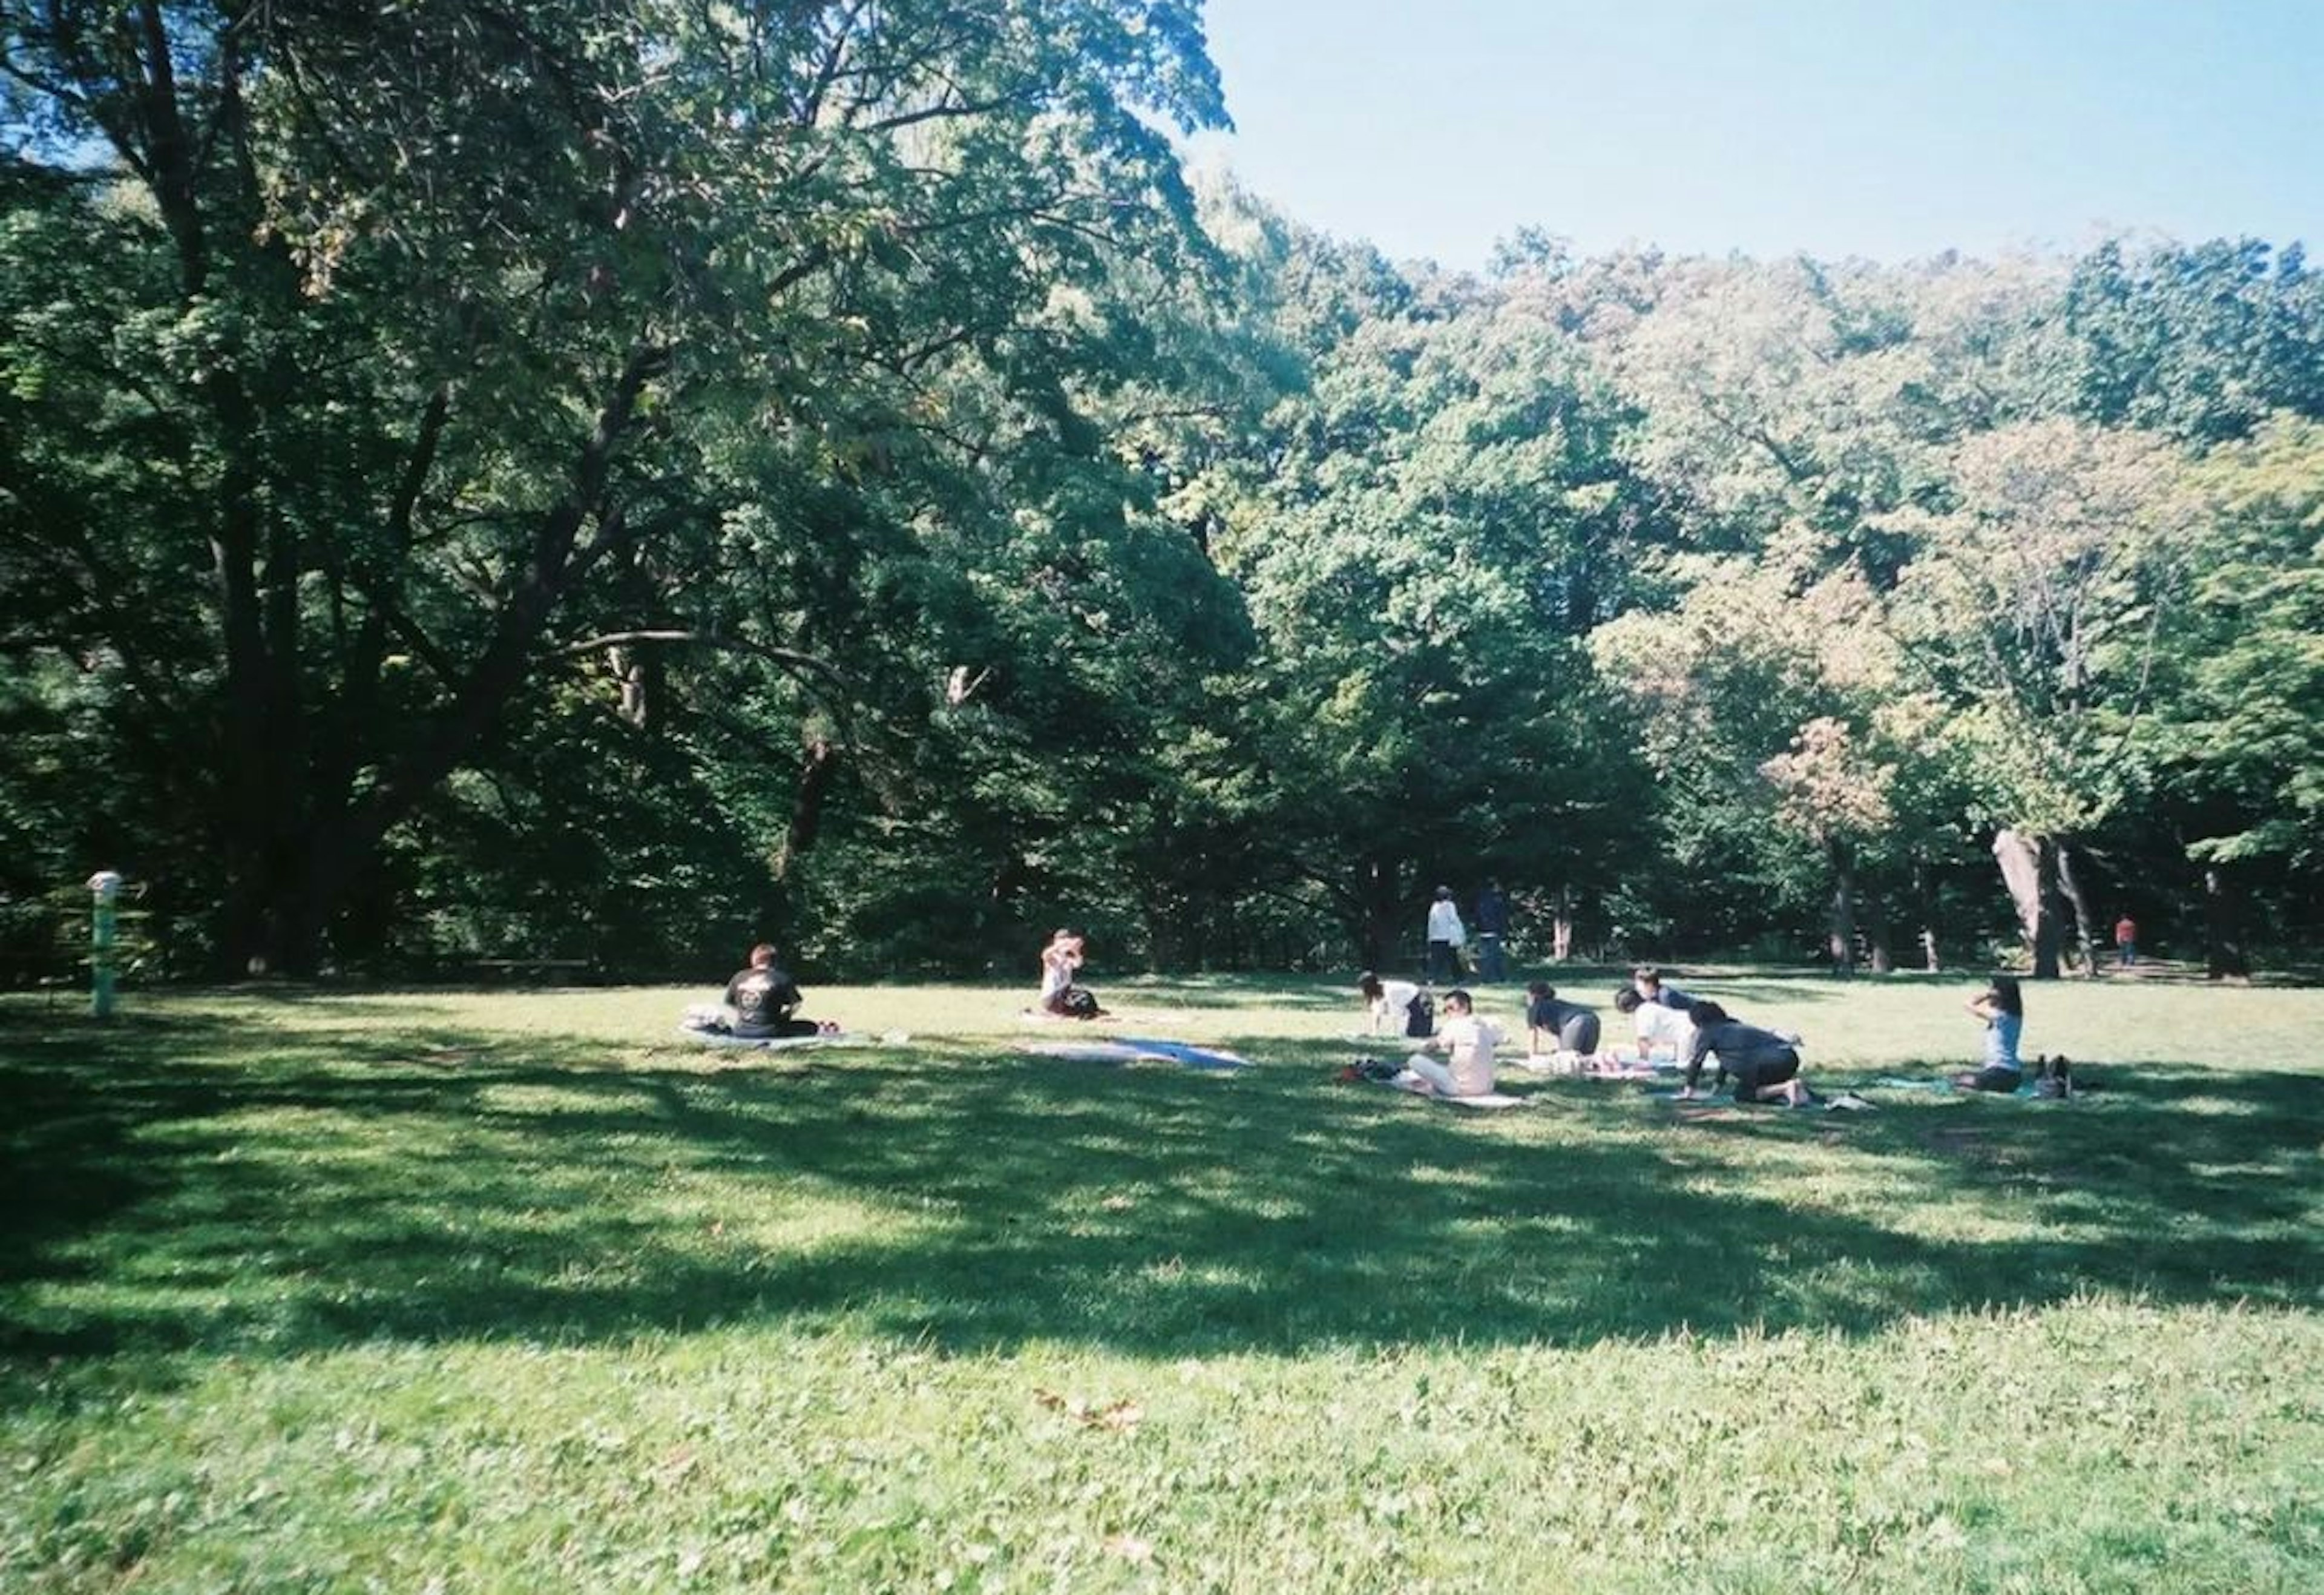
(460, 339)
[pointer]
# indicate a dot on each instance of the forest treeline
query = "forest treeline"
(615, 479)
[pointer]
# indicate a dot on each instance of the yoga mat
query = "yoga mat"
(1132, 1050)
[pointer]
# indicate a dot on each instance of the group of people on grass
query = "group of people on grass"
(1692, 1033)
(762, 1001)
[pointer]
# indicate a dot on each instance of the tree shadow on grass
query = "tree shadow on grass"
(291, 1189)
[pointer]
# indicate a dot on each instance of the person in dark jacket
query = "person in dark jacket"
(1766, 1066)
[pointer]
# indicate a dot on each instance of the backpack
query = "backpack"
(1077, 1002)
(1420, 1018)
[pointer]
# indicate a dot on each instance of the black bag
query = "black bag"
(1420, 1018)
(1075, 1003)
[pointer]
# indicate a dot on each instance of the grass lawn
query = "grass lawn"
(451, 1292)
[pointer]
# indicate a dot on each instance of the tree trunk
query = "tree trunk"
(2223, 941)
(1842, 937)
(2071, 885)
(1876, 933)
(807, 804)
(2029, 867)
(1561, 930)
(1924, 904)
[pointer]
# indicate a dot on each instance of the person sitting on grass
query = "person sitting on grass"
(1766, 1066)
(2002, 1007)
(1660, 1030)
(1061, 961)
(1388, 1003)
(762, 1000)
(1467, 1042)
(1570, 1026)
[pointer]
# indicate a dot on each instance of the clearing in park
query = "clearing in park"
(444, 1291)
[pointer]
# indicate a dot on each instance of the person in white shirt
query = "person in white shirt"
(1467, 1043)
(1662, 1030)
(1390, 1003)
(1446, 935)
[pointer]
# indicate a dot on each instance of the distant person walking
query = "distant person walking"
(1492, 925)
(1446, 936)
(2126, 941)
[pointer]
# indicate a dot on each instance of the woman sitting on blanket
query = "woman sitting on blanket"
(1061, 960)
(1766, 1066)
(2002, 1007)
(1467, 1042)
(1389, 1003)
(762, 1000)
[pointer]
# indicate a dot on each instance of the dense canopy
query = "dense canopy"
(615, 479)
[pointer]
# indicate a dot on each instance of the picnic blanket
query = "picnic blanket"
(1375, 1072)
(788, 1043)
(1566, 1066)
(1845, 1102)
(1942, 1086)
(1133, 1049)
(1415, 1086)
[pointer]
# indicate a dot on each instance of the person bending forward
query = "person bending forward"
(1766, 1066)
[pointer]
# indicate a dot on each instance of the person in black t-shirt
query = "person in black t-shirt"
(765, 1000)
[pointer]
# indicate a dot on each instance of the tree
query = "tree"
(2033, 607)
(433, 416)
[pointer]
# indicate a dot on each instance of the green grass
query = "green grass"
(466, 1292)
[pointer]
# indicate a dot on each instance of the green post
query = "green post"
(107, 885)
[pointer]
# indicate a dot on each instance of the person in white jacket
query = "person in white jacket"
(1446, 935)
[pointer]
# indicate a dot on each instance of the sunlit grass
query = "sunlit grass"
(513, 1291)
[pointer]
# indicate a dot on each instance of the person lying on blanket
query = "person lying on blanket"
(1389, 1003)
(1569, 1026)
(1766, 1066)
(1467, 1042)
(763, 1000)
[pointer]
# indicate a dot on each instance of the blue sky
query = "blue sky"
(1890, 129)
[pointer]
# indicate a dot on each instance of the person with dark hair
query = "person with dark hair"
(1467, 1042)
(2002, 1007)
(1061, 961)
(1659, 1029)
(1388, 1003)
(1570, 1026)
(1766, 1066)
(1446, 936)
(1647, 981)
(764, 1000)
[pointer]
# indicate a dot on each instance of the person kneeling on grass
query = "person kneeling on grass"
(1467, 1042)
(1661, 1030)
(1570, 1026)
(1766, 1066)
(762, 1000)
(2002, 1007)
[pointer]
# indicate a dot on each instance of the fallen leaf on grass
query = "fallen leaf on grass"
(1131, 1548)
(1120, 1416)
